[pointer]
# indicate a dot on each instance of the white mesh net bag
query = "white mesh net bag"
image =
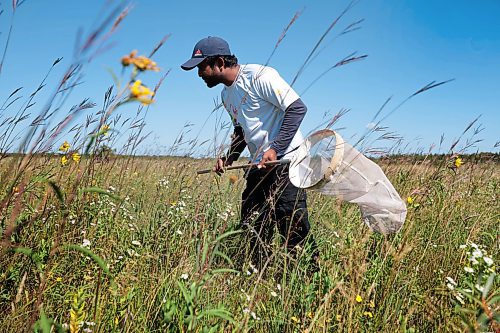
(327, 164)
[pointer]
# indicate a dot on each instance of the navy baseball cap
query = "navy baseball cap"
(210, 46)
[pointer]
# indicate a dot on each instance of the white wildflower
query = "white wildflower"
(132, 253)
(246, 310)
(463, 246)
(474, 245)
(223, 216)
(86, 243)
(253, 268)
(450, 280)
(488, 261)
(136, 243)
(468, 269)
(460, 298)
(477, 253)
(273, 293)
(179, 232)
(473, 261)
(185, 276)
(278, 286)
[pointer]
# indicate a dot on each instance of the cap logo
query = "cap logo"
(198, 53)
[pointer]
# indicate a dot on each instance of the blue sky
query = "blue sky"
(408, 43)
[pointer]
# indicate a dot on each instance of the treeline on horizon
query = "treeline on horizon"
(415, 157)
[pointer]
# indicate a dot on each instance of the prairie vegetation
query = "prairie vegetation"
(143, 244)
(95, 239)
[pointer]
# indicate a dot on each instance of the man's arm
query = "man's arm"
(291, 122)
(238, 144)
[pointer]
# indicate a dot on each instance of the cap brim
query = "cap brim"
(191, 63)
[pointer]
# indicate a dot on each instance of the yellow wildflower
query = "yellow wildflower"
(410, 200)
(295, 319)
(64, 160)
(76, 157)
(233, 179)
(310, 314)
(65, 146)
(338, 318)
(145, 101)
(104, 129)
(15, 189)
(458, 162)
(58, 279)
(142, 63)
(359, 299)
(127, 60)
(141, 93)
(372, 304)
(368, 314)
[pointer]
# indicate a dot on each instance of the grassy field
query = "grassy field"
(128, 244)
(93, 241)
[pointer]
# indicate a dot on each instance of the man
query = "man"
(266, 114)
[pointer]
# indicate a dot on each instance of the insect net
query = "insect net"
(327, 164)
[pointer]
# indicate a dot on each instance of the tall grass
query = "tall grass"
(119, 243)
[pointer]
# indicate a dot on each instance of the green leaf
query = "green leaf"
(114, 77)
(227, 234)
(58, 191)
(488, 285)
(101, 191)
(220, 313)
(184, 292)
(89, 145)
(44, 323)
(29, 252)
(224, 270)
(99, 261)
(224, 256)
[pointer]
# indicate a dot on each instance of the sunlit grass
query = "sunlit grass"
(96, 239)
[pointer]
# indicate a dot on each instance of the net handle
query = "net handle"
(247, 166)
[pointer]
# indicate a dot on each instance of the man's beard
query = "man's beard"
(211, 82)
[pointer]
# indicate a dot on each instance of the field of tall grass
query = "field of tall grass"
(98, 241)
(143, 244)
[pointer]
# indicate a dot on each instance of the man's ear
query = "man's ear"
(220, 63)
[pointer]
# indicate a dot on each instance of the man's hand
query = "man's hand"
(269, 156)
(221, 165)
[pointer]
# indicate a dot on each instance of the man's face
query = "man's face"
(211, 75)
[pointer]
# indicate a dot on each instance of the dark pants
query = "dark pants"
(270, 200)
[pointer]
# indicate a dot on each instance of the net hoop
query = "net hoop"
(303, 152)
